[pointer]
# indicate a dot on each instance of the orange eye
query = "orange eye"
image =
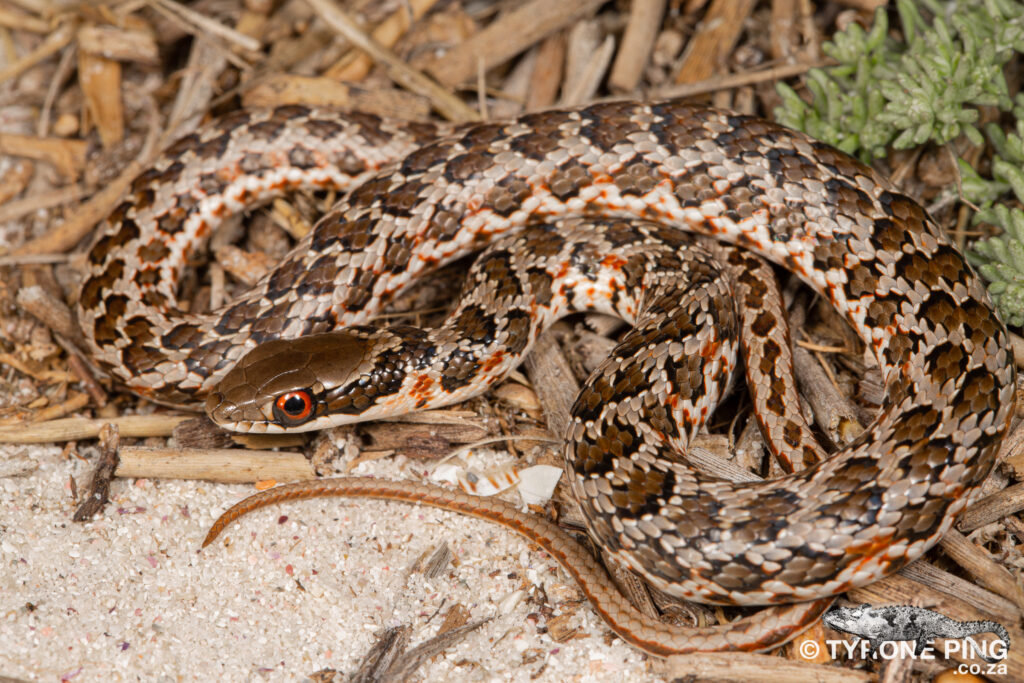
(294, 407)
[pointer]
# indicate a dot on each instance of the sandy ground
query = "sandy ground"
(285, 592)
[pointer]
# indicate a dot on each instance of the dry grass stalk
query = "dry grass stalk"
(227, 465)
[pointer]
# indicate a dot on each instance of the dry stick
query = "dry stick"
(75, 402)
(228, 465)
(44, 200)
(55, 42)
(449, 106)
(589, 79)
(70, 232)
(1017, 344)
(124, 45)
(355, 65)
(208, 25)
(49, 310)
(507, 36)
(716, 36)
(99, 79)
(742, 666)
(982, 567)
(64, 68)
(16, 179)
(67, 156)
(992, 508)
(547, 73)
(832, 411)
(774, 73)
(99, 487)
(24, 22)
(206, 61)
(77, 428)
(937, 579)
(56, 315)
(35, 260)
(80, 369)
(553, 382)
(637, 43)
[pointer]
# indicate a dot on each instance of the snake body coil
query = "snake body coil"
(874, 253)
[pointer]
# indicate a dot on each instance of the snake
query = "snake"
(421, 195)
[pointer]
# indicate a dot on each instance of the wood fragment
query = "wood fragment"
(67, 156)
(201, 432)
(100, 81)
(420, 440)
(204, 24)
(405, 666)
(564, 627)
(457, 616)
(783, 33)
(942, 581)
(1011, 452)
(98, 492)
(583, 86)
(547, 73)
(226, 465)
(796, 649)
(14, 181)
(33, 370)
(390, 644)
(288, 218)
(553, 381)
(48, 310)
(832, 411)
(630, 585)
(195, 93)
(245, 266)
(11, 18)
(82, 373)
(714, 40)
(897, 670)
(43, 200)
(507, 36)
(433, 564)
(113, 42)
(69, 123)
(355, 65)
(446, 104)
(982, 567)
(68, 233)
(74, 403)
(53, 44)
(992, 508)
(637, 43)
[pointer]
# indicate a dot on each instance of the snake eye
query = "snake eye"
(293, 408)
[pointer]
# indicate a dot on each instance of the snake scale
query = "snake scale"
(423, 195)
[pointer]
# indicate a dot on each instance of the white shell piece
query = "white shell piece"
(537, 483)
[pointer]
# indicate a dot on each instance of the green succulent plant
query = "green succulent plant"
(927, 87)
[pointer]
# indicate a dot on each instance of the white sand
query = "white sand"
(129, 596)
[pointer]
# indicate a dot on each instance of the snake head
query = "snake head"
(281, 384)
